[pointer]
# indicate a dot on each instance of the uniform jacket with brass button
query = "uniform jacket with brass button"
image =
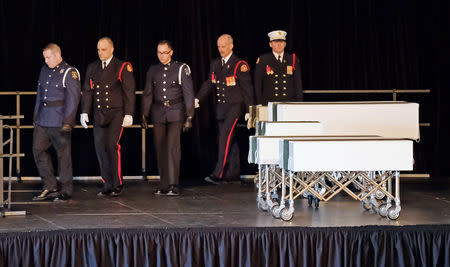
(58, 95)
(277, 81)
(168, 93)
(108, 90)
(231, 83)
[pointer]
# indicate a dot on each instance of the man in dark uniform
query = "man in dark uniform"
(277, 74)
(229, 77)
(58, 95)
(109, 92)
(169, 97)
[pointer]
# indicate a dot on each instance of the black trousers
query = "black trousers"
(166, 137)
(228, 160)
(107, 147)
(43, 139)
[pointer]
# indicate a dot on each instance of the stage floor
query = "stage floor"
(229, 205)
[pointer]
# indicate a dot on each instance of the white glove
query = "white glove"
(247, 116)
(127, 121)
(84, 119)
(196, 103)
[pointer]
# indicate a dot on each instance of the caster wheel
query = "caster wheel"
(310, 199)
(365, 205)
(316, 202)
(275, 211)
(393, 214)
(262, 205)
(382, 210)
(286, 215)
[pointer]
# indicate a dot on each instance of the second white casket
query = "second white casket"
(346, 154)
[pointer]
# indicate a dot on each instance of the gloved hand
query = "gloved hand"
(84, 119)
(187, 124)
(144, 123)
(196, 103)
(247, 116)
(66, 128)
(127, 121)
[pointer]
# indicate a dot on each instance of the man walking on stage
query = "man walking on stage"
(229, 77)
(277, 74)
(109, 94)
(169, 98)
(58, 95)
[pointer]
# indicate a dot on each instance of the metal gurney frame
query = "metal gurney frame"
(371, 184)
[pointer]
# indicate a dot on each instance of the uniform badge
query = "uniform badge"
(75, 74)
(269, 71)
(228, 66)
(213, 78)
(257, 61)
(244, 68)
(129, 68)
(289, 70)
(231, 81)
(61, 71)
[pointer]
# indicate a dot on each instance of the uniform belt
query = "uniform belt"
(168, 103)
(53, 103)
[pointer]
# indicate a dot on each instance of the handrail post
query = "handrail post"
(18, 172)
(143, 153)
(1, 165)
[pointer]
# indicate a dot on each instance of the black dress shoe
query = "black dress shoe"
(173, 191)
(104, 193)
(160, 192)
(116, 191)
(62, 197)
(213, 180)
(46, 194)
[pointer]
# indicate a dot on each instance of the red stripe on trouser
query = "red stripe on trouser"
(226, 149)
(119, 169)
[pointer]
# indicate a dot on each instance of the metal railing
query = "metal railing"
(9, 142)
(18, 125)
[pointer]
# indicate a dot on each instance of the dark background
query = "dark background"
(359, 44)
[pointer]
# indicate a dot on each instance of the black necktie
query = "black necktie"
(223, 62)
(279, 58)
(104, 64)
